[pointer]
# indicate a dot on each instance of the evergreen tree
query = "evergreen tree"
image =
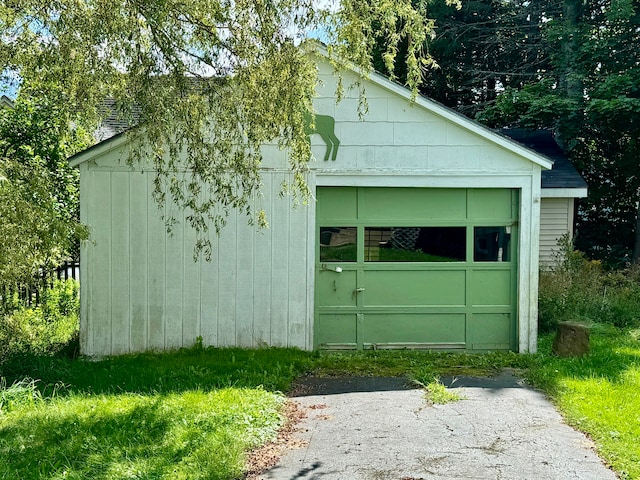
(572, 66)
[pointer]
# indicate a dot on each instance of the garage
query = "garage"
(416, 268)
(422, 230)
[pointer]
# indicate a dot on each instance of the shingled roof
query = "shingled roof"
(563, 174)
(112, 123)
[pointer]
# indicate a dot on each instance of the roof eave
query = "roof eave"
(100, 148)
(564, 192)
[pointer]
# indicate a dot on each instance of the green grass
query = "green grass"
(182, 415)
(194, 413)
(46, 329)
(188, 435)
(599, 393)
(413, 363)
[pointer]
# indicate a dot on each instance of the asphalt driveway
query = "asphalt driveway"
(382, 428)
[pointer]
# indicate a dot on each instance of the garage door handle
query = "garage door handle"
(332, 269)
(358, 290)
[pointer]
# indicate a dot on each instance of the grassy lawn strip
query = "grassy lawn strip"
(185, 435)
(195, 413)
(598, 394)
(191, 414)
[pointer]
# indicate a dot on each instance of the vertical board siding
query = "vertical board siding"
(244, 292)
(120, 253)
(262, 271)
(227, 284)
(86, 260)
(297, 308)
(174, 284)
(556, 220)
(281, 211)
(138, 261)
(156, 267)
(100, 271)
(191, 294)
(209, 298)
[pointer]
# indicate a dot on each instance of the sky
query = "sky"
(9, 83)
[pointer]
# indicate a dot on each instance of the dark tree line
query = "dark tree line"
(569, 65)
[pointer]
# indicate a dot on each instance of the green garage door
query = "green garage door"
(416, 268)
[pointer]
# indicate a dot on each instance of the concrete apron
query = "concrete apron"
(381, 429)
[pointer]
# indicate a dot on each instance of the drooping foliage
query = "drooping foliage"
(209, 81)
(39, 224)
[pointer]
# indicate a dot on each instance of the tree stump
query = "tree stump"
(572, 339)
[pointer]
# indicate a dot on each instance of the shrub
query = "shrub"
(579, 289)
(45, 329)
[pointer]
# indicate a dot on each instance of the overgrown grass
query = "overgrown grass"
(46, 329)
(413, 364)
(579, 289)
(189, 435)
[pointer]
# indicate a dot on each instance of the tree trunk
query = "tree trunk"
(635, 257)
(570, 79)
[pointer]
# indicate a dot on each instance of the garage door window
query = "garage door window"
(491, 244)
(415, 244)
(338, 244)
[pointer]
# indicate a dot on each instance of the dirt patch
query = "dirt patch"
(267, 456)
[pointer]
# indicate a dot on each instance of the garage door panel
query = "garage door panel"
(416, 268)
(337, 203)
(496, 204)
(490, 331)
(337, 330)
(414, 287)
(492, 287)
(411, 203)
(336, 289)
(419, 328)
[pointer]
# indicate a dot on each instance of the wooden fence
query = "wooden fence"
(31, 294)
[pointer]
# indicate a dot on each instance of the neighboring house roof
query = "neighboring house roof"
(109, 135)
(113, 124)
(563, 176)
(6, 102)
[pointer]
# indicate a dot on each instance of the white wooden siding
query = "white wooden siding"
(141, 289)
(556, 219)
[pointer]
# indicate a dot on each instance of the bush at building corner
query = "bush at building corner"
(576, 289)
(45, 329)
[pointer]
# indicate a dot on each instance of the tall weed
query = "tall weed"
(21, 393)
(579, 289)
